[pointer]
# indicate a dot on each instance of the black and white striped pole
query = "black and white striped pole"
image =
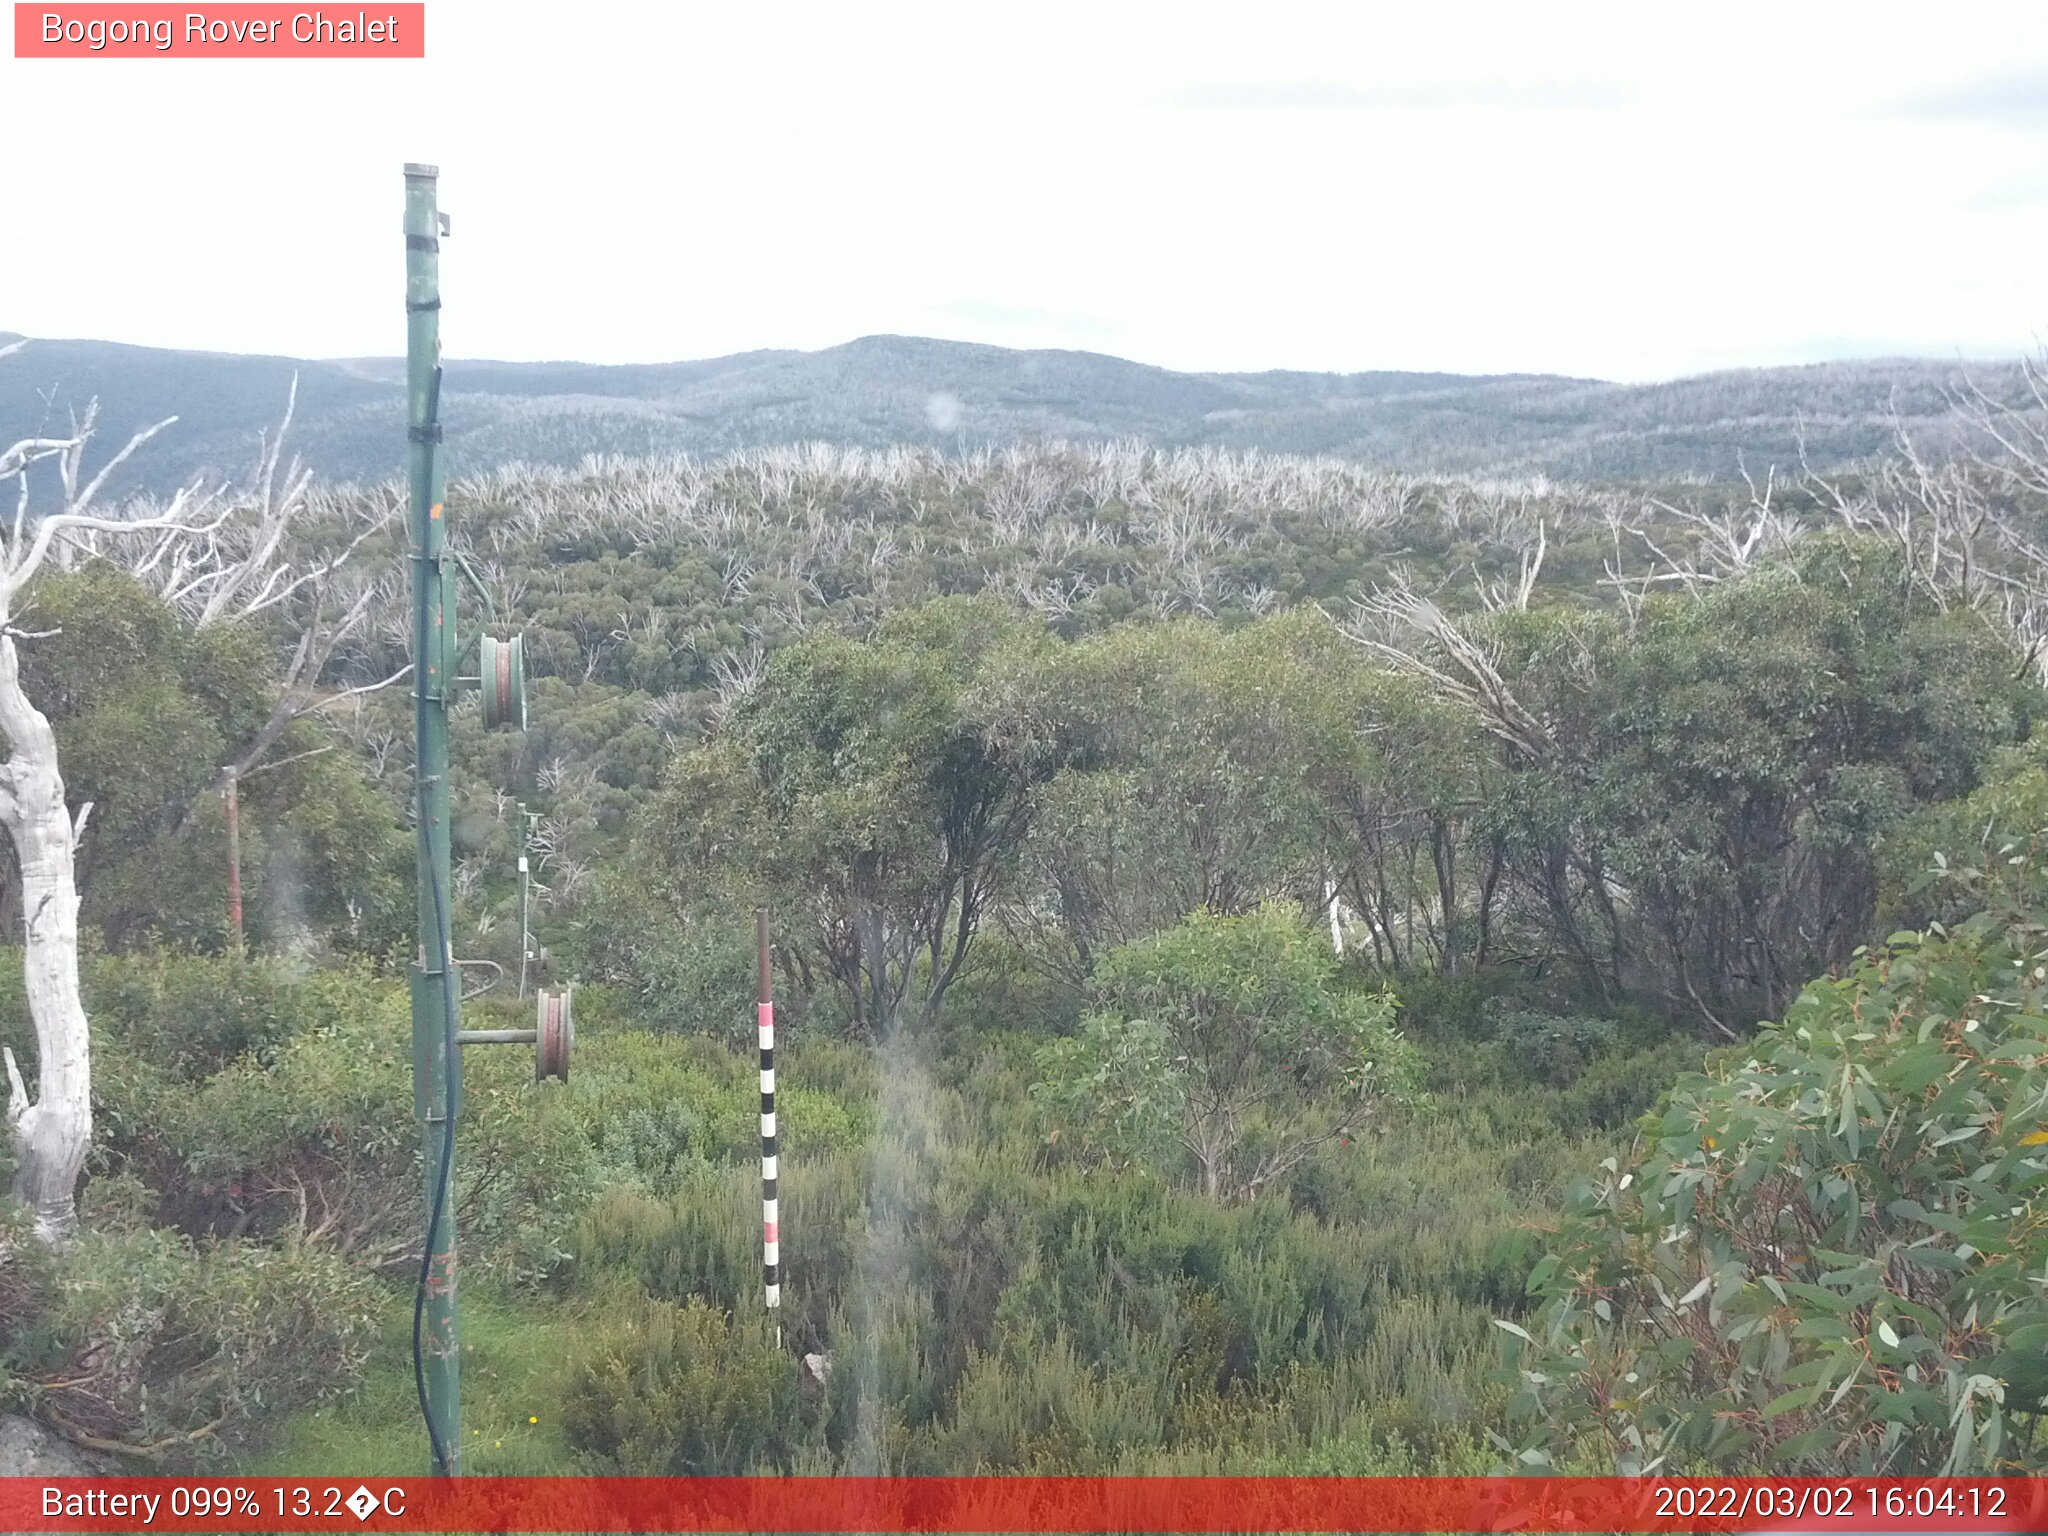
(771, 1233)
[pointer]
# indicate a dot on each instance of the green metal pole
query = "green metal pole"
(437, 1071)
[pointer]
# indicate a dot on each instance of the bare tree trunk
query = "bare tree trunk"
(1443, 854)
(232, 792)
(52, 1133)
(1487, 886)
(1209, 1159)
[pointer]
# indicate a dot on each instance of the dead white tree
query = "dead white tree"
(1964, 515)
(2011, 435)
(1497, 596)
(253, 563)
(734, 676)
(52, 1131)
(1407, 629)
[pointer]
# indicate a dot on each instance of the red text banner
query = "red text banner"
(1845, 1506)
(376, 31)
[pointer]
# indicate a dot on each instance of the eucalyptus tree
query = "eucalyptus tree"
(1691, 789)
(860, 791)
(1191, 773)
(1227, 1041)
(1821, 1254)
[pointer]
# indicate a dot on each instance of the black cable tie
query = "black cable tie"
(422, 243)
(416, 305)
(426, 434)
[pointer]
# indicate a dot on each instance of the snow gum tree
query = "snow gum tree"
(52, 1130)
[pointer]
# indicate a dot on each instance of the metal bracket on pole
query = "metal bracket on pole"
(552, 1037)
(467, 567)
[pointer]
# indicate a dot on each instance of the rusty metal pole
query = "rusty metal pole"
(231, 794)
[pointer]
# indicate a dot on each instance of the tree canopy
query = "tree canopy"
(1227, 1041)
(1823, 1254)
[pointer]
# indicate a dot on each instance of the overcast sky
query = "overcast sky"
(1630, 192)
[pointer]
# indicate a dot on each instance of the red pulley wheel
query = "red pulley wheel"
(554, 1035)
(503, 669)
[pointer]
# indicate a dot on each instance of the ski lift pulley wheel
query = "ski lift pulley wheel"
(555, 1034)
(503, 665)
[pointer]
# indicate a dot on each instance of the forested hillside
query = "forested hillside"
(1285, 965)
(887, 391)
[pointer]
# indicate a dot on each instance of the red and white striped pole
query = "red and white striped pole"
(771, 1256)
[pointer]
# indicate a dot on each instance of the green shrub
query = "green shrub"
(317, 1145)
(1224, 1045)
(1459, 1007)
(691, 976)
(1004, 990)
(193, 1015)
(1548, 1047)
(190, 1015)
(1939, 863)
(144, 1340)
(679, 1391)
(651, 1103)
(1623, 1083)
(1040, 1406)
(1822, 1255)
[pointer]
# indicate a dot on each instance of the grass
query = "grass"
(514, 1354)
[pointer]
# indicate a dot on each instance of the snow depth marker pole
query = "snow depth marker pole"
(771, 1233)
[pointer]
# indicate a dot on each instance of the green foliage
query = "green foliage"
(982, 830)
(989, 1306)
(1548, 1047)
(253, 1099)
(858, 784)
(688, 972)
(1190, 761)
(189, 1016)
(935, 1254)
(1823, 1255)
(654, 1106)
(331, 862)
(135, 739)
(1691, 821)
(141, 1339)
(1528, 1058)
(1699, 822)
(146, 709)
(514, 1350)
(680, 1391)
(1005, 993)
(1988, 840)
(1225, 1038)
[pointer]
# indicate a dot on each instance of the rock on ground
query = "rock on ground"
(29, 1450)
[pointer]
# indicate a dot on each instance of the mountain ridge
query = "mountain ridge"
(884, 389)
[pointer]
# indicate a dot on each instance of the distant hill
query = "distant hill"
(904, 389)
